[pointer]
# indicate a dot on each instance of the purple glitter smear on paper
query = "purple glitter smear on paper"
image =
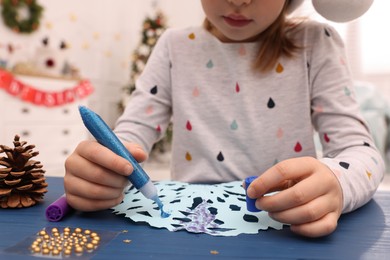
(202, 220)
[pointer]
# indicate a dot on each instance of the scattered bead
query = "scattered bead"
(214, 252)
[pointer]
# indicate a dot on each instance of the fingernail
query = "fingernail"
(250, 191)
(128, 169)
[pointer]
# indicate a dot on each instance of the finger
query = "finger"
(280, 174)
(97, 153)
(309, 212)
(301, 193)
(90, 190)
(321, 227)
(91, 172)
(83, 204)
(136, 150)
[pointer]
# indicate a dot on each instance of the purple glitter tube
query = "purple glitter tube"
(58, 209)
(250, 203)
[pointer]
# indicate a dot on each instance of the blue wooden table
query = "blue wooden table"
(364, 234)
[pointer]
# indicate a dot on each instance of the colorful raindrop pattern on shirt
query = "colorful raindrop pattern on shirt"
(297, 146)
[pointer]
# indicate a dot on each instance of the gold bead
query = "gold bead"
(67, 229)
(42, 232)
(94, 234)
(45, 251)
(68, 251)
(55, 252)
(87, 232)
(78, 249)
(95, 242)
(78, 230)
(37, 250)
(54, 230)
(89, 246)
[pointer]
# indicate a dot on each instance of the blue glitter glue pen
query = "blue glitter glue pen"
(105, 136)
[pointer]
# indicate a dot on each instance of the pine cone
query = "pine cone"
(22, 181)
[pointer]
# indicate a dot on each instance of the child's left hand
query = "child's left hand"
(310, 197)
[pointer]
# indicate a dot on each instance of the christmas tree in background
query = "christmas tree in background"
(152, 30)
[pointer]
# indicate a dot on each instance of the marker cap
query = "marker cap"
(57, 210)
(250, 203)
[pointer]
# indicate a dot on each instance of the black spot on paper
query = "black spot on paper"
(183, 219)
(213, 210)
(234, 193)
(220, 200)
(219, 222)
(250, 218)
(176, 225)
(221, 229)
(234, 207)
(175, 201)
(210, 201)
(136, 207)
(145, 213)
(197, 201)
(185, 213)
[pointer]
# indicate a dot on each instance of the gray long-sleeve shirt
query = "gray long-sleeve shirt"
(231, 121)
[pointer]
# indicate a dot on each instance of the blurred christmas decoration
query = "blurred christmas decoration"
(36, 96)
(22, 181)
(22, 16)
(152, 29)
(49, 60)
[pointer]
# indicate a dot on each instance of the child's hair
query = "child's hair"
(277, 40)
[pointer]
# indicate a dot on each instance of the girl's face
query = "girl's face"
(241, 20)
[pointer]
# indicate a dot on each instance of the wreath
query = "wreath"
(10, 14)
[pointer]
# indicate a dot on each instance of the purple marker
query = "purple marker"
(58, 209)
(250, 203)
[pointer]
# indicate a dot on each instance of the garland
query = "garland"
(38, 97)
(11, 19)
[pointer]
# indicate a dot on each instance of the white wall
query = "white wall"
(102, 35)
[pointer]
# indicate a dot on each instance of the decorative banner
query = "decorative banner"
(38, 97)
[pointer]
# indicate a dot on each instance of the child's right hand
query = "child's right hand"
(95, 177)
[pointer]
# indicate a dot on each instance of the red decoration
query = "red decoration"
(38, 97)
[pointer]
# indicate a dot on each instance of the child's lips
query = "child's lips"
(237, 20)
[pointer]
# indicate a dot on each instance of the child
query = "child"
(245, 92)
